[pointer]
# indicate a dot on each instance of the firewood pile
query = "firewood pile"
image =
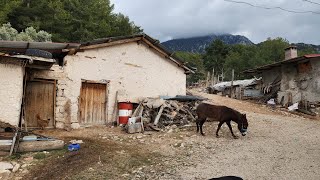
(158, 113)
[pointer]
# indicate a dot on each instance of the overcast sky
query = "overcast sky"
(170, 19)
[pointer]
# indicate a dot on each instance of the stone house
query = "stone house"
(13, 70)
(82, 87)
(295, 79)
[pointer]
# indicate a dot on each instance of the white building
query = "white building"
(81, 89)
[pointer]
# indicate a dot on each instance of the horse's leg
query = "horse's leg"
(201, 124)
(197, 123)
(219, 126)
(230, 127)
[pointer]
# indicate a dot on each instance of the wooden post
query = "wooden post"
(208, 79)
(222, 76)
(115, 109)
(231, 89)
(212, 77)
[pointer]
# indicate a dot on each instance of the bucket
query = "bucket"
(74, 147)
(125, 111)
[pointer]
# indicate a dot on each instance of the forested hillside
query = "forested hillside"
(67, 20)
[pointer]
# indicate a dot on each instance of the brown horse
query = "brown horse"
(222, 114)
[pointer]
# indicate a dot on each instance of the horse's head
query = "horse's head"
(243, 124)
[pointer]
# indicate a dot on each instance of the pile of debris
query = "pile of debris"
(155, 114)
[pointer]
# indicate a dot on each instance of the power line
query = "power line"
(312, 2)
(276, 7)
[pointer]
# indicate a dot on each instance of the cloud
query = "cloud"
(167, 19)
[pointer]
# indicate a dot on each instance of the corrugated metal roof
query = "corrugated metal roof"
(29, 58)
(37, 45)
(277, 64)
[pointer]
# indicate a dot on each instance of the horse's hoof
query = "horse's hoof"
(203, 134)
(217, 136)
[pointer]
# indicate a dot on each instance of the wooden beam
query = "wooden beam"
(114, 43)
(156, 120)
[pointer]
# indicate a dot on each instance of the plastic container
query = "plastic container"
(73, 147)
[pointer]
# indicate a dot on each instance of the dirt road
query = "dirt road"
(278, 146)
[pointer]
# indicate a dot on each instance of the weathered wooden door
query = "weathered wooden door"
(93, 103)
(39, 99)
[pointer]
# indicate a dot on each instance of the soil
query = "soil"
(279, 145)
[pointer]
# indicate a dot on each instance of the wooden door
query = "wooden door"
(39, 100)
(93, 103)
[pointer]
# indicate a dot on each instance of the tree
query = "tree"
(192, 60)
(72, 20)
(272, 50)
(215, 56)
(240, 58)
(6, 6)
(8, 33)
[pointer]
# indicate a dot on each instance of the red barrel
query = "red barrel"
(125, 111)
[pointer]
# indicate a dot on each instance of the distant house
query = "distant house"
(81, 88)
(239, 89)
(295, 79)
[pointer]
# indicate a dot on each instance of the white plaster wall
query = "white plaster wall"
(11, 89)
(133, 70)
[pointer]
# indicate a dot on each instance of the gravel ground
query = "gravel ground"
(279, 145)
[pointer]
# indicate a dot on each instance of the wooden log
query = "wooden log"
(156, 120)
(31, 146)
(191, 115)
(137, 110)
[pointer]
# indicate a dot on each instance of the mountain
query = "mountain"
(302, 46)
(198, 44)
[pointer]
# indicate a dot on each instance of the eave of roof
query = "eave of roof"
(22, 46)
(155, 44)
(277, 64)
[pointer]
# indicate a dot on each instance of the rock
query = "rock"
(16, 168)
(76, 141)
(5, 166)
(75, 126)
(125, 175)
(116, 138)
(18, 178)
(25, 165)
(4, 174)
(139, 137)
(25, 171)
(170, 131)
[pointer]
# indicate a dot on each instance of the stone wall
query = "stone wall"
(301, 85)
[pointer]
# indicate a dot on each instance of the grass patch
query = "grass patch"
(40, 155)
(13, 157)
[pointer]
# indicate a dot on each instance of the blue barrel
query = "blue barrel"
(73, 147)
